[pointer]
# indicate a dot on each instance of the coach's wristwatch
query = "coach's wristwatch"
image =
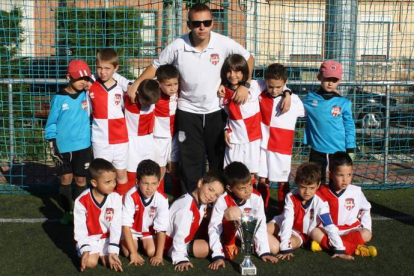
(245, 84)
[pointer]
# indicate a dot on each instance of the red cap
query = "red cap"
(78, 68)
(331, 69)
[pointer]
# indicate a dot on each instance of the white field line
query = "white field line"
(42, 220)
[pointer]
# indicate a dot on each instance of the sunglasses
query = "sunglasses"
(196, 24)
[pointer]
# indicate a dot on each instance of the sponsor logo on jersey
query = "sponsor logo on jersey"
(349, 204)
(84, 105)
(87, 165)
(109, 214)
(91, 95)
(214, 59)
(117, 98)
(336, 111)
(136, 207)
(247, 211)
(315, 103)
(152, 211)
(65, 106)
(311, 214)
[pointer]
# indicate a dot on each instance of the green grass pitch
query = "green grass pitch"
(47, 248)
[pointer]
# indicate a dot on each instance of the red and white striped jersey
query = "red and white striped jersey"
(165, 110)
(349, 209)
(304, 218)
(144, 216)
(278, 130)
(185, 219)
(140, 119)
(253, 206)
(94, 221)
(108, 125)
(244, 120)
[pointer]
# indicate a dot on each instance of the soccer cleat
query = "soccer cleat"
(67, 218)
(315, 246)
(230, 251)
(366, 251)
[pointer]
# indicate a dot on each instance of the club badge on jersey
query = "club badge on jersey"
(336, 111)
(117, 98)
(152, 211)
(349, 204)
(109, 214)
(214, 59)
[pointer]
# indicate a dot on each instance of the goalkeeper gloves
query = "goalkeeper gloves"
(54, 152)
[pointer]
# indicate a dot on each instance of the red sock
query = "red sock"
(122, 188)
(176, 187)
(160, 188)
(351, 241)
(132, 179)
(282, 190)
(264, 190)
(229, 232)
(325, 242)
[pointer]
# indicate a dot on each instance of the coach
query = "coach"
(199, 55)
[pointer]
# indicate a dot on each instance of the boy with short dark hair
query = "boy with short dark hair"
(304, 210)
(98, 219)
(109, 129)
(166, 144)
(140, 121)
(278, 132)
(329, 123)
(186, 214)
(145, 216)
(69, 135)
(239, 200)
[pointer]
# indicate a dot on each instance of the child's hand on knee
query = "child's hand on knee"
(114, 262)
(136, 259)
(217, 264)
(84, 260)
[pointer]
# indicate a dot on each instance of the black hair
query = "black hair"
(338, 159)
(236, 173)
(234, 62)
(148, 168)
(198, 7)
(149, 92)
(275, 71)
(99, 166)
(308, 173)
(166, 72)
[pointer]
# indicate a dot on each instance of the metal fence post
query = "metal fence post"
(11, 124)
(387, 134)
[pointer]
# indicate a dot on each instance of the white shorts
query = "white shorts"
(97, 246)
(140, 148)
(247, 153)
(175, 151)
(344, 232)
(278, 220)
(117, 154)
(274, 166)
(162, 150)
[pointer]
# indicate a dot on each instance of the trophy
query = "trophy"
(247, 227)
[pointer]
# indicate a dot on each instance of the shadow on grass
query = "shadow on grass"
(387, 212)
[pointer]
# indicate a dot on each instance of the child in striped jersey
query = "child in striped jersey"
(349, 208)
(186, 214)
(166, 144)
(304, 210)
(239, 199)
(145, 216)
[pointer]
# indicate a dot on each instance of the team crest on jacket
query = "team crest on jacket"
(117, 98)
(214, 59)
(152, 211)
(336, 111)
(311, 214)
(109, 214)
(84, 105)
(247, 211)
(349, 204)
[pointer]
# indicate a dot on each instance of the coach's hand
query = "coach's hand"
(343, 256)
(55, 154)
(217, 264)
(241, 95)
(183, 266)
(221, 92)
(286, 102)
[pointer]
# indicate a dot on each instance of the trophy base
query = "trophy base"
(248, 270)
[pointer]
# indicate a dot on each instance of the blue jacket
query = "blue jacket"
(329, 123)
(68, 121)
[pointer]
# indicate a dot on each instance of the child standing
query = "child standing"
(350, 210)
(165, 145)
(278, 130)
(304, 210)
(186, 214)
(145, 216)
(329, 123)
(239, 199)
(98, 219)
(109, 129)
(69, 135)
(140, 121)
